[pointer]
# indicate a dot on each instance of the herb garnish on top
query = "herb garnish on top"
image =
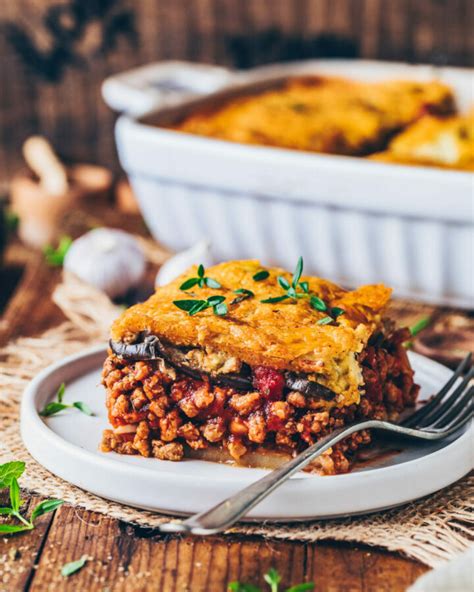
(201, 280)
(297, 290)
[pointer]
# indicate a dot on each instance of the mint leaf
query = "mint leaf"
(9, 471)
(12, 528)
(14, 495)
(74, 566)
(44, 507)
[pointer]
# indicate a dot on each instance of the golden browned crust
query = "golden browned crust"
(433, 141)
(320, 114)
(283, 335)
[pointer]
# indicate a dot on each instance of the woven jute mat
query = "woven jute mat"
(431, 530)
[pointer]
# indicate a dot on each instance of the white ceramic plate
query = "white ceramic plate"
(67, 445)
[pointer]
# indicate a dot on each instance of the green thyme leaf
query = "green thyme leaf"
(198, 307)
(261, 275)
(186, 305)
(297, 273)
(304, 286)
(189, 283)
(201, 280)
(325, 321)
(337, 312)
(221, 309)
(44, 507)
(210, 283)
(74, 566)
(243, 295)
(60, 392)
(419, 326)
(6, 511)
(284, 283)
(291, 292)
(15, 495)
(317, 303)
(275, 299)
(9, 471)
(84, 407)
(213, 300)
(53, 408)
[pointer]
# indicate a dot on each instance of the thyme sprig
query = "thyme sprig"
(56, 406)
(297, 290)
(200, 280)
(192, 307)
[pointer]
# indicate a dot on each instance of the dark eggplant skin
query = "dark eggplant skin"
(299, 382)
(151, 348)
(148, 349)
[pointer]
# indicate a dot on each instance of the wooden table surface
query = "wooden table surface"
(127, 558)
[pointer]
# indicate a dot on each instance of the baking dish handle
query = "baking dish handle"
(162, 83)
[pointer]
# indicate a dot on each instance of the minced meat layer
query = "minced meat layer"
(155, 410)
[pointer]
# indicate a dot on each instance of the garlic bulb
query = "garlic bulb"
(109, 259)
(179, 263)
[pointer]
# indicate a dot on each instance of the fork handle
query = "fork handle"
(226, 513)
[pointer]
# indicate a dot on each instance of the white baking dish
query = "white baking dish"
(353, 220)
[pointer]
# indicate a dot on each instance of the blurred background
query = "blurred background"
(55, 54)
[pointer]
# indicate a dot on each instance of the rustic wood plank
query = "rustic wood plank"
(344, 568)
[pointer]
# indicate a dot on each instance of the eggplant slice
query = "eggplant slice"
(151, 348)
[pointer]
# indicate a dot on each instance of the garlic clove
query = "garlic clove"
(109, 259)
(179, 263)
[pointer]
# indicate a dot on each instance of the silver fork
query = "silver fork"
(441, 417)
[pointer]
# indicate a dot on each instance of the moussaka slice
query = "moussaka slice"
(434, 141)
(251, 364)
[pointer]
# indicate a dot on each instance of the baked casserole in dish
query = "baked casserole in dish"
(249, 364)
(355, 220)
(322, 114)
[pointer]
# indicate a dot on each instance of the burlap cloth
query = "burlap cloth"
(432, 530)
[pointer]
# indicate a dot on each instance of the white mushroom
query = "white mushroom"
(111, 260)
